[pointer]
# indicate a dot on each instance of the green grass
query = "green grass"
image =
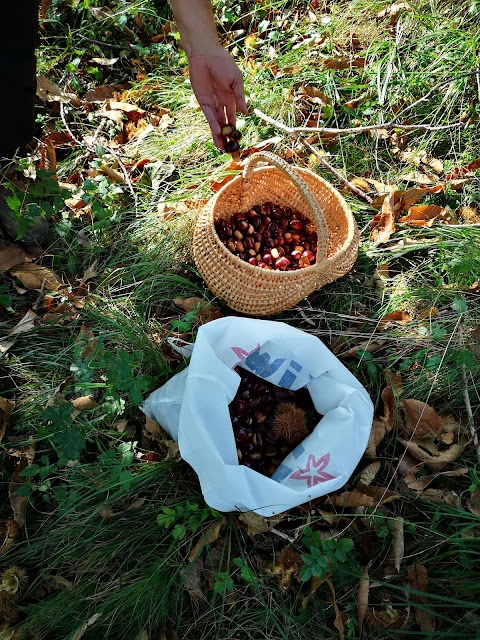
(128, 568)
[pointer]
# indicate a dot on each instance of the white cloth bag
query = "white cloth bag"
(193, 408)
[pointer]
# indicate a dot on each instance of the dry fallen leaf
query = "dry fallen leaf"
(11, 255)
(263, 145)
(99, 94)
(398, 543)
(111, 114)
(383, 224)
(205, 312)
(378, 432)
(473, 503)
(399, 317)
(51, 92)
(383, 425)
(435, 462)
(394, 11)
(439, 496)
(318, 97)
(6, 408)
(33, 276)
(381, 495)
(338, 623)
(80, 632)
(27, 323)
(423, 482)
(233, 166)
(18, 503)
(368, 474)
(84, 403)
(258, 524)
(343, 63)
(209, 536)
(105, 62)
(351, 499)
(90, 272)
(362, 595)
(417, 577)
(423, 215)
(420, 419)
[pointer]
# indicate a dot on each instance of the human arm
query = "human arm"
(215, 78)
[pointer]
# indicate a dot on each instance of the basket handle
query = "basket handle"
(303, 188)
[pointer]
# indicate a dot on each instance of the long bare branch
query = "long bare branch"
(392, 124)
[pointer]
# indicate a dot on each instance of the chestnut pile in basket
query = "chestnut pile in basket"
(269, 421)
(270, 237)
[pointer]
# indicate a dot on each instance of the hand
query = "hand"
(218, 85)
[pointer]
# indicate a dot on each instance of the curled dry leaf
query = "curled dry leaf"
(26, 324)
(420, 419)
(18, 503)
(398, 543)
(258, 524)
(381, 495)
(423, 215)
(34, 276)
(6, 408)
(338, 623)
(362, 595)
(80, 632)
(368, 474)
(435, 462)
(383, 425)
(378, 432)
(425, 481)
(383, 224)
(417, 577)
(84, 403)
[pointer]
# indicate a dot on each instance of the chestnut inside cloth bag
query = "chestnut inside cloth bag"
(193, 408)
(261, 292)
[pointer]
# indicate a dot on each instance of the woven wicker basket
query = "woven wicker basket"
(263, 292)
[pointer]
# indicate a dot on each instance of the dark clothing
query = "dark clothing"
(18, 40)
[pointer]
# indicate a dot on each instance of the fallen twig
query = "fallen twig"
(321, 159)
(361, 194)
